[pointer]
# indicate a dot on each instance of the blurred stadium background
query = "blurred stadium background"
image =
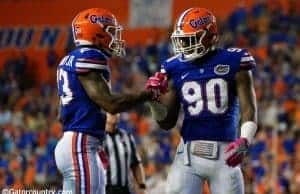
(35, 34)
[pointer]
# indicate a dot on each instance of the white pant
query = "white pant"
(189, 179)
(76, 157)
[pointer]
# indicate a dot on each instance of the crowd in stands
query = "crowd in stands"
(29, 127)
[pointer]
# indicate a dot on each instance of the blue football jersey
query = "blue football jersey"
(206, 88)
(78, 112)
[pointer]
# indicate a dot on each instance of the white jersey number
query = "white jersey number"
(67, 94)
(213, 95)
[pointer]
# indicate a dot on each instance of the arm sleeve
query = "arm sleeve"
(85, 64)
(247, 61)
(163, 68)
(91, 60)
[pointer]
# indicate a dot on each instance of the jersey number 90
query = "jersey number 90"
(212, 95)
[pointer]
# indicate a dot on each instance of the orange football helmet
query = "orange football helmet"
(195, 33)
(100, 28)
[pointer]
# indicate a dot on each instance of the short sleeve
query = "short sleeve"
(247, 61)
(90, 59)
(162, 68)
(167, 65)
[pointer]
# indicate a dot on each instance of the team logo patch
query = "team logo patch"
(221, 69)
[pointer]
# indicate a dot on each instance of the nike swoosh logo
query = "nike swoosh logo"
(184, 75)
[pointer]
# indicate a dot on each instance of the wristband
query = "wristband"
(248, 130)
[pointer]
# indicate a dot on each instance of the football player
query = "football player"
(83, 87)
(215, 88)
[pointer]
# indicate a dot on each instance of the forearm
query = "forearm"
(162, 114)
(158, 110)
(249, 115)
(249, 122)
(166, 111)
(119, 103)
(248, 106)
(99, 92)
(167, 124)
(139, 174)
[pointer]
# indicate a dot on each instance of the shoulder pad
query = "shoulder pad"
(90, 58)
(166, 66)
(172, 58)
(244, 59)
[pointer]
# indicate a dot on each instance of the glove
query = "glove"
(157, 84)
(236, 151)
